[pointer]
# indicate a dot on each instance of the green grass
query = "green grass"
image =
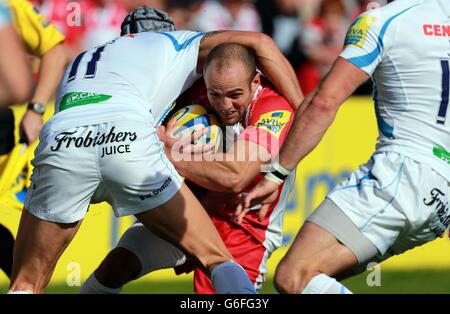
(420, 281)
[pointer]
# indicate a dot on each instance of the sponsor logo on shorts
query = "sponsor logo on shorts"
(156, 192)
(112, 150)
(64, 139)
(436, 200)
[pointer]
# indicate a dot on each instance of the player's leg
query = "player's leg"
(118, 268)
(39, 245)
(138, 253)
(248, 251)
(368, 217)
(316, 255)
(154, 193)
(329, 243)
(183, 222)
(57, 200)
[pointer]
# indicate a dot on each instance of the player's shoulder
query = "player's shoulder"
(270, 108)
(389, 12)
(377, 20)
(176, 40)
(181, 38)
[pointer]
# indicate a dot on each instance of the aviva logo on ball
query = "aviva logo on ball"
(196, 117)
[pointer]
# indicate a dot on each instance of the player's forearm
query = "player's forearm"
(15, 75)
(51, 70)
(220, 174)
(308, 129)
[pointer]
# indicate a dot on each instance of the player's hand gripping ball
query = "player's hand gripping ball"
(194, 118)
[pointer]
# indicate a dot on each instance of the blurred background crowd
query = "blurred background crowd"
(309, 32)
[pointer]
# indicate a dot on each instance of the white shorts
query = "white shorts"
(120, 162)
(396, 202)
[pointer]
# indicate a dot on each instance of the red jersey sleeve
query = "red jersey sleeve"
(269, 120)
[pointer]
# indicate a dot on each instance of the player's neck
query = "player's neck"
(256, 93)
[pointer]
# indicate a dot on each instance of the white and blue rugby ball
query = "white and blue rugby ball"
(196, 117)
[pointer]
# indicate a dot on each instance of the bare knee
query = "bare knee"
(118, 268)
(293, 279)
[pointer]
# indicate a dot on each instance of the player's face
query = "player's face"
(230, 91)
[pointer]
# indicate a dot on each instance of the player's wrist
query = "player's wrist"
(36, 107)
(277, 173)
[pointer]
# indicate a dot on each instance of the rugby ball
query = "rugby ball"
(196, 117)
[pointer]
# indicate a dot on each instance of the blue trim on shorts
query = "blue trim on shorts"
(397, 178)
(370, 176)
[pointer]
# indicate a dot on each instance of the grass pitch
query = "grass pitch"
(398, 282)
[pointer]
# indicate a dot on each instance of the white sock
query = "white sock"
(20, 292)
(322, 284)
(93, 286)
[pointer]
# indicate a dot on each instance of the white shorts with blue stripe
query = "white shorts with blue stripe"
(396, 202)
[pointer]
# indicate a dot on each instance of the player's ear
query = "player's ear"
(256, 81)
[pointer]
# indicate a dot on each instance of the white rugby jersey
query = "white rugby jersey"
(5, 18)
(136, 76)
(405, 48)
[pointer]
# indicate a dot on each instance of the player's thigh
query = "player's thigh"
(65, 176)
(153, 252)
(38, 246)
(372, 199)
(425, 206)
(136, 174)
(335, 233)
(385, 202)
(422, 203)
(316, 250)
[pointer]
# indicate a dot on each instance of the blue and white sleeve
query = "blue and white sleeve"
(364, 42)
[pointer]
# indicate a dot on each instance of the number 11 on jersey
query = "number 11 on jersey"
(91, 65)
